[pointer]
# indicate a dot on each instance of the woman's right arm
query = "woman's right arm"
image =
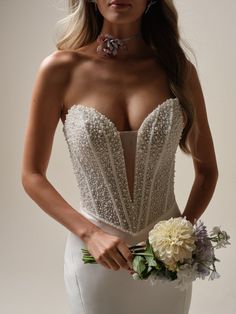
(44, 114)
(45, 111)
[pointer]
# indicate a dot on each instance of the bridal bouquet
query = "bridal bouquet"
(177, 252)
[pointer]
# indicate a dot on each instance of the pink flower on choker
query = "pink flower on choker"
(109, 45)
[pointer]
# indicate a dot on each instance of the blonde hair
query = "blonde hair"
(83, 24)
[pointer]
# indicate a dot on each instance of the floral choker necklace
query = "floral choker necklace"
(109, 45)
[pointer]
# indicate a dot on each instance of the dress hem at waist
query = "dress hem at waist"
(129, 237)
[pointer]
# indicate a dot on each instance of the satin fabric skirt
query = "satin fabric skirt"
(94, 289)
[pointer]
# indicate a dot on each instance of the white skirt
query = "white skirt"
(94, 289)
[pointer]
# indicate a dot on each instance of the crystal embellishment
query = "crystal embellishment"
(98, 162)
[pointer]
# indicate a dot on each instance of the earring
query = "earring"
(151, 2)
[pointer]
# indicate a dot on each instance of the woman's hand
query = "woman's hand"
(109, 250)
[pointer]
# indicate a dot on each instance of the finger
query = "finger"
(105, 264)
(126, 253)
(119, 258)
(111, 262)
(142, 243)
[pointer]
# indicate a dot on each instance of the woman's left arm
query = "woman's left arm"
(201, 145)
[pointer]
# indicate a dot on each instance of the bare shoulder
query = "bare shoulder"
(51, 83)
(58, 65)
(61, 57)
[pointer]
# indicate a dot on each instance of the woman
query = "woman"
(127, 97)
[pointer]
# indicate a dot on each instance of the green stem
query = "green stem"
(144, 254)
(88, 257)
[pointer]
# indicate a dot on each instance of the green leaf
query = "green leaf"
(139, 264)
(151, 261)
(149, 249)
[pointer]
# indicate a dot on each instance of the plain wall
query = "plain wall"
(32, 243)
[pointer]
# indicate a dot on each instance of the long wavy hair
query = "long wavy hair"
(83, 24)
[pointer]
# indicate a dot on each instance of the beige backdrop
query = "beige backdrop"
(32, 243)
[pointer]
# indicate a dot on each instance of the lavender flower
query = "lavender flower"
(200, 230)
(204, 249)
(203, 270)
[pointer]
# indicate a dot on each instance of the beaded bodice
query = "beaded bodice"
(99, 164)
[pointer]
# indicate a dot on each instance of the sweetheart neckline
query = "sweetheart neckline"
(83, 106)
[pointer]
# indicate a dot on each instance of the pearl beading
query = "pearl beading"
(98, 162)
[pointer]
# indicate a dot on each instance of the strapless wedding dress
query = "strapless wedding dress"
(125, 185)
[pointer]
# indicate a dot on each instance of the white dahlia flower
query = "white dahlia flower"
(173, 240)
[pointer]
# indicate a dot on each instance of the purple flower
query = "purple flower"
(200, 230)
(203, 271)
(204, 249)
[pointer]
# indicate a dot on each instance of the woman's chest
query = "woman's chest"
(125, 95)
